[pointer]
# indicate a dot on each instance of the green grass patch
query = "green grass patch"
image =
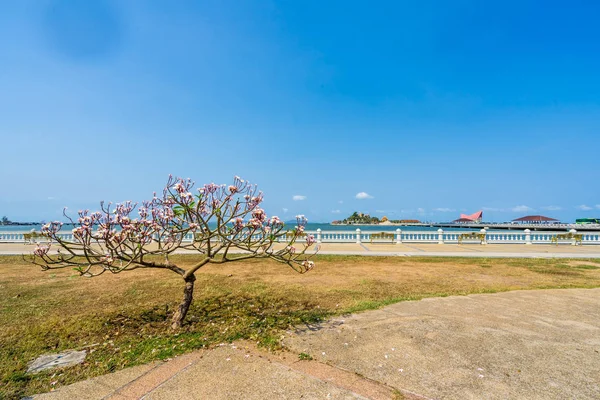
(586, 267)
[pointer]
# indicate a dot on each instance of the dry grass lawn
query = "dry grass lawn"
(123, 319)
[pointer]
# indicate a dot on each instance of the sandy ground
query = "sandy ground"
(420, 249)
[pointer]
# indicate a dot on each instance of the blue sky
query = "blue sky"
(431, 109)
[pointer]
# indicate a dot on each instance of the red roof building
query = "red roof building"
(535, 219)
(473, 218)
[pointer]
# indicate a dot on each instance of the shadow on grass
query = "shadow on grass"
(130, 337)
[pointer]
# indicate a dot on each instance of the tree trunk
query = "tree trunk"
(188, 294)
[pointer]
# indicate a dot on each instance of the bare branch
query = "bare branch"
(215, 223)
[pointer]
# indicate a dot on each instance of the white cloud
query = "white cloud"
(521, 208)
(50, 198)
(298, 197)
(285, 210)
(584, 207)
(421, 210)
(492, 209)
(336, 212)
(363, 195)
(444, 209)
(341, 201)
(552, 208)
(598, 206)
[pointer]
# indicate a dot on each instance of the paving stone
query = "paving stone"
(60, 360)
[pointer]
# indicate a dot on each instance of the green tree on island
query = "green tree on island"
(361, 219)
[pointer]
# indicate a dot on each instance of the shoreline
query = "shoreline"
(491, 226)
(387, 226)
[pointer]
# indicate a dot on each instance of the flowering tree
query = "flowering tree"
(221, 223)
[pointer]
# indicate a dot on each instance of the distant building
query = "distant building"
(535, 219)
(473, 218)
(585, 221)
(463, 221)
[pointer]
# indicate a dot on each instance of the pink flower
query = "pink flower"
(310, 240)
(301, 220)
(179, 187)
(308, 265)
(186, 197)
(41, 250)
(275, 221)
(255, 223)
(211, 188)
(239, 224)
(82, 232)
(239, 185)
(253, 202)
(51, 228)
(259, 214)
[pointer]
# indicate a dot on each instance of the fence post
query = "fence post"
(527, 236)
(398, 236)
(318, 235)
(358, 235)
(573, 232)
(440, 236)
(483, 231)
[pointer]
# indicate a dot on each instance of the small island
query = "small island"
(4, 221)
(365, 219)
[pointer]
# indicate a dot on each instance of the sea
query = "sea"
(309, 227)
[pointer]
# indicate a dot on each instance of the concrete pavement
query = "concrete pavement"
(542, 344)
(227, 372)
(420, 250)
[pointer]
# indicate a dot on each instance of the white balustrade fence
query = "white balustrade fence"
(19, 237)
(398, 236)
